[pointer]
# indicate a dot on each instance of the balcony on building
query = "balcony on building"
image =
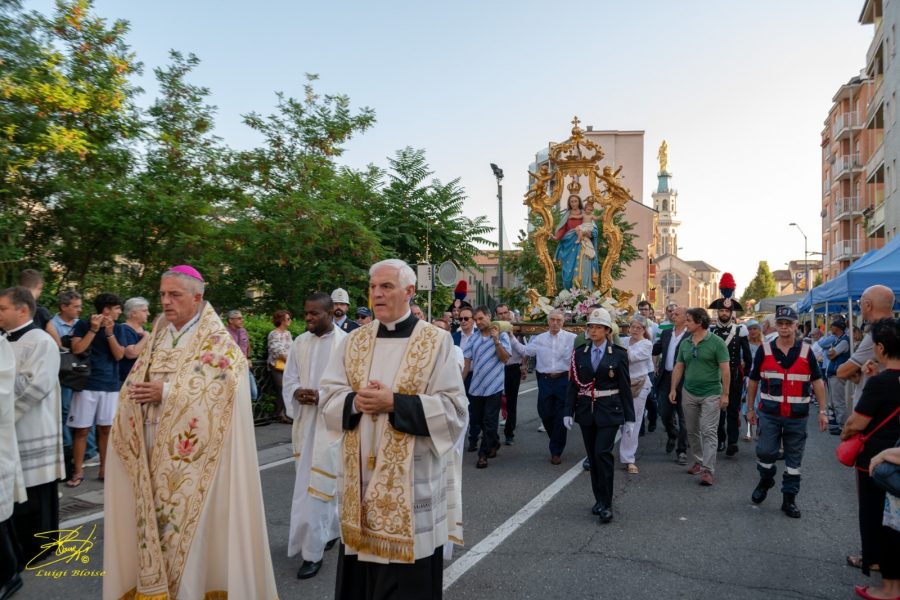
(846, 164)
(846, 207)
(845, 250)
(875, 220)
(845, 124)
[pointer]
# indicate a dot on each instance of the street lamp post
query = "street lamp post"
(498, 173)
(805, 254)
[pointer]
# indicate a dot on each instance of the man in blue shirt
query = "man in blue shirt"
(96, 404)
(486, 355)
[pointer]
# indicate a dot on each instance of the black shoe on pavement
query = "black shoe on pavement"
(331, 544)
(12, 586)
(670, 444)
(762, 490)
(789, 506)
(493, 452)
(605, 515)
(731, 450)
(309, 569)
(651, 427)
(473, 446)
(586, 464)
(597, 509)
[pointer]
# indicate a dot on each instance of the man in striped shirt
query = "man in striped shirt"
(486, 355)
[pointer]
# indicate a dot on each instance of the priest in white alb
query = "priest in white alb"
(397, 395)
(38, 423)
(12, 484)
(184, 516)
(314, 514)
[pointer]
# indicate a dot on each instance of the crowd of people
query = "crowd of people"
(383, 410)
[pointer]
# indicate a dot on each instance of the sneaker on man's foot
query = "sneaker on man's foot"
(695, 469)
(731, 450)
(94, 461)
(706, 477)
(509, 440)
(681, 459)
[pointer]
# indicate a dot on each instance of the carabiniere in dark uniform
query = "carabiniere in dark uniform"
(600, 401)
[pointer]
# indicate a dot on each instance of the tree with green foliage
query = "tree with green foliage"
(761, 286)
(174, 200)
(67, 118)
(295, 228)
(411, 214)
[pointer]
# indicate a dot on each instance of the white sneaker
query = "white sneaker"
(501, 423)
(541, 428)
(94, 462)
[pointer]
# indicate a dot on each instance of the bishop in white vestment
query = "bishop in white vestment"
(397, 395)
(314, 515)
(184, 516)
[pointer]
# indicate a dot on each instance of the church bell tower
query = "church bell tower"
(664, 201)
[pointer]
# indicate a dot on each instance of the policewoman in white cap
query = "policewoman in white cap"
(341, 300)
(599, 400)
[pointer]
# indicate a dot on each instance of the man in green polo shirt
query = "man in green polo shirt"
(703, 361)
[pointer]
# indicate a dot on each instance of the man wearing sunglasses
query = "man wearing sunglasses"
(461, 338)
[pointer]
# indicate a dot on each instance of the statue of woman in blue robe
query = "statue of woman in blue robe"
(577, 237)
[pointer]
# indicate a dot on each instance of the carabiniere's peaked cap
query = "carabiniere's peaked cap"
(729, 303)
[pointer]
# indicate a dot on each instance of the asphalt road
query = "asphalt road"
(670, 537)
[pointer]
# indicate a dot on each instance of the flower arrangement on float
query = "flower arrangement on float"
(576, 302)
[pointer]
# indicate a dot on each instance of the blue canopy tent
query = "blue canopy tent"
(873, 268)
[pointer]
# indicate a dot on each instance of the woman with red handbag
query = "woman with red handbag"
(877, 418)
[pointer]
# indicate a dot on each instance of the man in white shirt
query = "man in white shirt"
(314, 515)
(37, 413)
(514, 374)
(553, 350)
(672, 415)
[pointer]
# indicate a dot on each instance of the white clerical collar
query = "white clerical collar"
(392, 325)
(20, 327)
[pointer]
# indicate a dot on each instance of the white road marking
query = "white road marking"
(496, 537)
(277, 463)
(70, 523)
(75, 522)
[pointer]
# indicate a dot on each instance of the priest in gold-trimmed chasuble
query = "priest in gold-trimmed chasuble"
(396, 394)
(184, 516)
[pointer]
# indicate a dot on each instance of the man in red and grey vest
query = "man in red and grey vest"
(785, 371)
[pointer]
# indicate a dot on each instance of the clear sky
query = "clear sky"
(740, 91)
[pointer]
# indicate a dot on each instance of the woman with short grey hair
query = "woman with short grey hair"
(137, 313)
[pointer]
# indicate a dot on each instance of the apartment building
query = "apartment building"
(847, 198)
